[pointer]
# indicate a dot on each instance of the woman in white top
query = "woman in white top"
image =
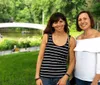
(87, 51)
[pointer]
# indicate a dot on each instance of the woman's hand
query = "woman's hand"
(94, 83)
(39, 82)
(96, 79)
(63, 80)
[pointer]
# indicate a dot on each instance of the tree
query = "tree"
(5, 11)
(96, 13)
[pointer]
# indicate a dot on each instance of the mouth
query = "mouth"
(58, 27)
(83, 25)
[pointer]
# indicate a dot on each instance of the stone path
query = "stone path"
(21, 50)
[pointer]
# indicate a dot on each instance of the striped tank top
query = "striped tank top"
(54, 63)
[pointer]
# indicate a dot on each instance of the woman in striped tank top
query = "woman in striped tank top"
(51, 68)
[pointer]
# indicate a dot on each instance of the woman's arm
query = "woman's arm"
(72, 55)
(97, 76)
(41, 55)
(72, 45)
(98, 64)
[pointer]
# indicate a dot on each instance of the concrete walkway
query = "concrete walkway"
(21, 50)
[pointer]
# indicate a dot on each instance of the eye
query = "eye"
(55, 22)
(60, 21)
(85, 18)
(79, 19)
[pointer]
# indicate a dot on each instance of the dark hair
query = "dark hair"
(54, 18)
(91, 20)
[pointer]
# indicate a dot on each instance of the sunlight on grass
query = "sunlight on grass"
(18, 69)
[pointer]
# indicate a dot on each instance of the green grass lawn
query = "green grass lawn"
(18, 68)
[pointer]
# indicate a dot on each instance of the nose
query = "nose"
(82, 21)
(58, 23)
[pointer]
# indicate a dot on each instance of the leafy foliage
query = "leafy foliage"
(38, 11)
(7, 44)
(96, 10)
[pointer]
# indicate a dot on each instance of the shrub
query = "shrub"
(7, 43)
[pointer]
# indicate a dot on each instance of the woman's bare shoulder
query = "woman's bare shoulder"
(45, 35)
(97, 34)
(79, 37)
(72, 41)
(45, 38)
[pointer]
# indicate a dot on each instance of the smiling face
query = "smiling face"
(84, 21)
(59, 25)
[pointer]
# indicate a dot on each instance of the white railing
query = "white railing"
(24, 25)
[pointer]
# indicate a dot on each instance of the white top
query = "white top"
(87, 52)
